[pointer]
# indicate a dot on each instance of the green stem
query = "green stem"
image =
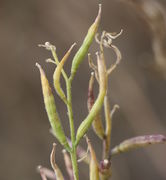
(74, 163)
(70, 111)
(72, 131)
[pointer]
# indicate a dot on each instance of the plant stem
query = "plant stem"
(72, 131)
(74, 163)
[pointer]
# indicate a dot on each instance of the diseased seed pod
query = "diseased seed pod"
(136, 142)
(84, 126)
(51, 110)
(93, 164)
(97, 123)
(57, 75)
(81, 53)
(56, 169)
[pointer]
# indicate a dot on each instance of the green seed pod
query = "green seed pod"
(93, 164)
(136, 142)
(97, 123)
(81, 53)
(56, 169)
(51, 110)
(84, 126)
(57, 74)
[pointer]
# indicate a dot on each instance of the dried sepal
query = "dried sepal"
(46, 173)
(81, 53)
(137, 142)
(93, 164)
(56, 169)
(51, 109)
(97, 122)
(68, 164)
(57, 75)
(83, 128)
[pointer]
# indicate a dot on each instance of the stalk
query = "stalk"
(72, 131)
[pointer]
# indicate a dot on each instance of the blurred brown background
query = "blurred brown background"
(140, 92)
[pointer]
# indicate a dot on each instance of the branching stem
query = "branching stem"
(72, 130)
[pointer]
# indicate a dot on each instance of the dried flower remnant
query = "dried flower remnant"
(106, 41)
(136, 142)
(56, 169)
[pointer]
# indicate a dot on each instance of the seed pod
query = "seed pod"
(93, 165)
(51, 110)
(79, 56)
(136, 142)
(57, 75)
(68, 164)
(97, 123)
(84, 126)
(56, 169)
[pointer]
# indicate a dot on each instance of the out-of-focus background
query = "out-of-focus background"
(138, 85)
